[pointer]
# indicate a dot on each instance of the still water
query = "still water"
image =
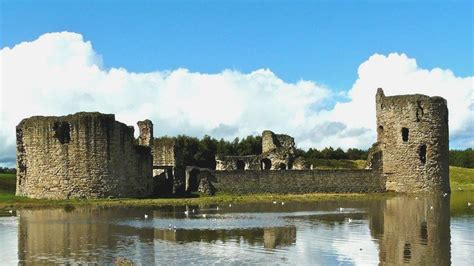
(427, 230)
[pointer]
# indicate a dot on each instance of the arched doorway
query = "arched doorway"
(266, 164)
(240, 165)
(282, 166)
(193, 180)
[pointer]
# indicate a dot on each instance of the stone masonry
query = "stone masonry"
(145, 128)
(168, 166)
(84, 155)
(277, 154)
(413, 136)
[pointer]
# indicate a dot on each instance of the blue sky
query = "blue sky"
(234, 68)
(324, 41)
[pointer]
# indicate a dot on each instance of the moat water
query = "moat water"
(427, 230)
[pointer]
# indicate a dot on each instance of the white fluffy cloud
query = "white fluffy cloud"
(60, 73)
(398, 74)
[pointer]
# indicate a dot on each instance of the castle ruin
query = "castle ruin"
(412, 131)
(277, 154)
(90, 155)
(85, 155)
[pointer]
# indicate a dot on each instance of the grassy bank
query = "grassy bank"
(7, 187)
(19, 202)
(461, 179)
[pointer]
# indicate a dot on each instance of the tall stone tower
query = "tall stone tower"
(412, 131)
(145, 128)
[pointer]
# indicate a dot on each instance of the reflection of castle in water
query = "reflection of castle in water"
(78, 236)
(407, 230)
(416, 231)
(270, 237)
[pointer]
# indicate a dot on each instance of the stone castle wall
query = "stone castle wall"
(168, 166)
(277, 154)
(296, 181)
(165, 152)
(268, 141)
(90, 155)
(248, 162)
(414, 140)
(85, 155)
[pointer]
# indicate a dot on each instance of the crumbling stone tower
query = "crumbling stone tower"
(277, 151)
(84, 155)
(145, 128)
(412, 131)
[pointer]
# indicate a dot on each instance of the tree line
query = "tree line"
(462, 158)
(6, 170)
(202, 152)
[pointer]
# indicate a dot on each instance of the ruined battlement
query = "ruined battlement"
(277, 154)
(412, 131)
(272, 142)
(247, 162)
(166, 152)
(84, 155)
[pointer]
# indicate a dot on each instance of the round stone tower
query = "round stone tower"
(412, 131)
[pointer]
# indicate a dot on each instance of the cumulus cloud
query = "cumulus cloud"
(399, 74)
(60, 73)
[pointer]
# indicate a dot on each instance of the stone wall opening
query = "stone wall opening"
(193, 180)
(422, 153)
(61, 132)
(380, 132)
(405, 134)
(266, 164)
(240, 165)
(407, 253)
(282, 166)
(419, 111)
(424, 233)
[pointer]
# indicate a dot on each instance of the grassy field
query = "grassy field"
(461, 179)
(7, 186)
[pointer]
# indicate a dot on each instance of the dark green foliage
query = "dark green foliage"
(250, 145)
(7, 170)
(461, 158)
(337, 154)
(356, 154)
(7, 182)
(202, 152)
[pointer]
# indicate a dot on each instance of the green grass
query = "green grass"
(461, 178)
(7, 186)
